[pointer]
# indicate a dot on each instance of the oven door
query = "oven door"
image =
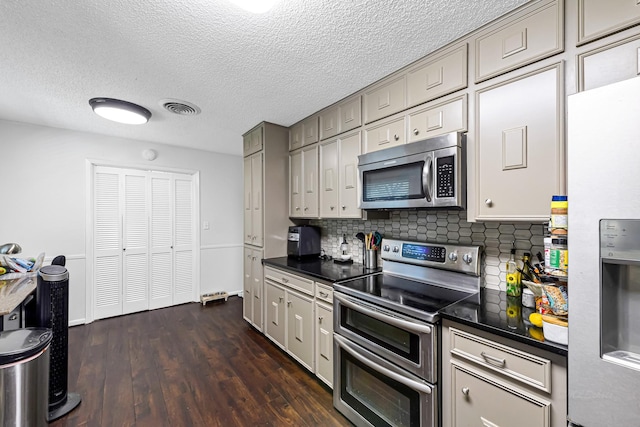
(402, 340)
(370, 391)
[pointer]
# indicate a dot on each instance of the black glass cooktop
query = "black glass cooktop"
(413, 298)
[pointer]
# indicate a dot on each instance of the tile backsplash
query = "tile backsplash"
(441, 226)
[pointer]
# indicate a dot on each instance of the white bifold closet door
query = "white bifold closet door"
(144, 240)
(172, 240)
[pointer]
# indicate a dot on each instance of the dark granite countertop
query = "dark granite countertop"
(317, 268)
(503, 316)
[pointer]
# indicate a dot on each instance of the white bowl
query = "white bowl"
(555, 333)
(345, 256)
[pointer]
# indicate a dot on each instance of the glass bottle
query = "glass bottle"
(526, 271)
(514, 288)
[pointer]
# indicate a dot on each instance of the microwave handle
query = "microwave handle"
(427, 179)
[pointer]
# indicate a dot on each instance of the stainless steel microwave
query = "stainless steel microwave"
(425, 174)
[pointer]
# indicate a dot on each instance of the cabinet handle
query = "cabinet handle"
(333, 207)
(320, 318)
(416, 131)
(323, 294)
(493, 360)
(281, 299)
(396, 137)
(344, 207)
(124, 249)
(285, 280)
(488, 202)
(288, 303)
(465, 391)
(297, 208)
(306, 209)
(248, 256)
(253, 258)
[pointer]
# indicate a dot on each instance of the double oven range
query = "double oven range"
(386, 332)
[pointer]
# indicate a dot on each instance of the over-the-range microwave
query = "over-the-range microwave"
(425, 174)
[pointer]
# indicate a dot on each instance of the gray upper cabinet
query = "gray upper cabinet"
(519, 145)
(386, 98)
(524, 39)
(437, 76)
(342, 117)
(609, 64)
(295, 137)
(252, 141)
(599, 18)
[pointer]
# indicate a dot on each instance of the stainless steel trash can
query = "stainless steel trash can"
(24, 377)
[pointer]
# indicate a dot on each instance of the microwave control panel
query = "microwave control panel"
(445, 177)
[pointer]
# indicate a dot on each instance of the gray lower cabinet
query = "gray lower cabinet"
(493, 381)
(298, 318)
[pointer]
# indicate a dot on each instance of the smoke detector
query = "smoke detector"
(182, 108)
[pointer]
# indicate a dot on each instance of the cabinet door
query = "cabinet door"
(519, 147)
(295, 184)
(300, 328)
(609, 65)
(247, 300)
(437, 77)
(257, 277)
(324, 343)
(274, 322)
(349, 150)
(329, 122)
(329, 186)
(256, 140)
(310, 182)
(438, 119)
(597, 18)
(310, 131)
(295, 137)
(248, 199)
(384, 135)
(350, 114)
(481, 401)
(257, 199)
(385, 99)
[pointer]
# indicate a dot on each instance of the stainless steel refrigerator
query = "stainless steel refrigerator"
(604, 255)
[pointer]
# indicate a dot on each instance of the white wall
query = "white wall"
(44, 199)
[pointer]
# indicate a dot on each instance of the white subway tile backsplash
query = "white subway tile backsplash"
(442, 226)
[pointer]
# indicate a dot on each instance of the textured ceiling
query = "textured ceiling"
(239, 68)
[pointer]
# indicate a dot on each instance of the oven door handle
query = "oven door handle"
(414, 385)
(407, 326)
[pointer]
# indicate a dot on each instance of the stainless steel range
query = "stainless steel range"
(386, 329)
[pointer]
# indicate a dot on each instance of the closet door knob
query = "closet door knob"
(416, 131)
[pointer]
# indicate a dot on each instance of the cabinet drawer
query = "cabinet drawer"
(384, 135)
(438, 119)
(324, 293)
(526, 368)
(437, 77)
(290, 280)
(597, 18)
(524, 40)
(483, 401)
(385, 99)
(610, 64)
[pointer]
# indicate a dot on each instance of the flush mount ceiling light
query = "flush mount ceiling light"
(120, 111)
(255, 6)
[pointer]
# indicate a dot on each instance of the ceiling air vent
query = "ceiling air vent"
(180, 107)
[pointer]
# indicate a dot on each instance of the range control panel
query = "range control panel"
(448, 256)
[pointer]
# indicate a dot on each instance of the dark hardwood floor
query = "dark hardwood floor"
(189, 365)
